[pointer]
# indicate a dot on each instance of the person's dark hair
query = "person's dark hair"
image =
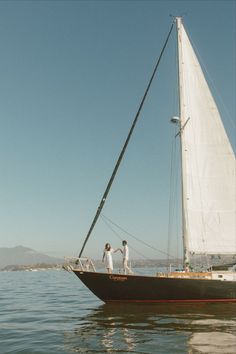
(107, 246)
(124, 243)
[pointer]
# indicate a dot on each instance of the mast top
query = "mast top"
(176, 18)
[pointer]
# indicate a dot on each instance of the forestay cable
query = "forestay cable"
(103, 200)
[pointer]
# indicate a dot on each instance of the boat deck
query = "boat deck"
(192, 275)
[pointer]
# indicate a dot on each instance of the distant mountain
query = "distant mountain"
(24, 256)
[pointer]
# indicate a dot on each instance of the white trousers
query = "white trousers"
(125, 266)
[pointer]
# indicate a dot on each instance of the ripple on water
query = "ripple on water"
(52, 312)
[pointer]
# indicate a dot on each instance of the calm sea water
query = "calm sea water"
(52, 312)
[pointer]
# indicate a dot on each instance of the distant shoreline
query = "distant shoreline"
(135, 263)
(30, 267)
(98, 264)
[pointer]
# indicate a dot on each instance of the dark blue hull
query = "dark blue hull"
(137, 288)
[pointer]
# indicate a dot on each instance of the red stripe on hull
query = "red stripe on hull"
(172, 301)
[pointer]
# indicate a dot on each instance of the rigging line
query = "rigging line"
(136, 238)
(172, 193)
(117, 235)
(103, 200)
(177, 201)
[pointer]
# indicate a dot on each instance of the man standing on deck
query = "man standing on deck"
(125, 253)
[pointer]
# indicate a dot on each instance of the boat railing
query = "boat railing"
(81, 264)
(185, 275)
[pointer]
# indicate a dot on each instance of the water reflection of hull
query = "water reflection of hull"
(160, 328)
(137, 288)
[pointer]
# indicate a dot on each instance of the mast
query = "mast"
(181, 126)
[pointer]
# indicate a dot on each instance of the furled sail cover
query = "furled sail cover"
(208, 162)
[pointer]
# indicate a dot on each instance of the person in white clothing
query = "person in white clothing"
(126, 258)
(107, 256)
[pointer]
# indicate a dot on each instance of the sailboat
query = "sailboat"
(208, 200)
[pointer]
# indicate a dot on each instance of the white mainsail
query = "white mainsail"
(208, 162)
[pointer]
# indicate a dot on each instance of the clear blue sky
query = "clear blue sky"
(72, 74)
